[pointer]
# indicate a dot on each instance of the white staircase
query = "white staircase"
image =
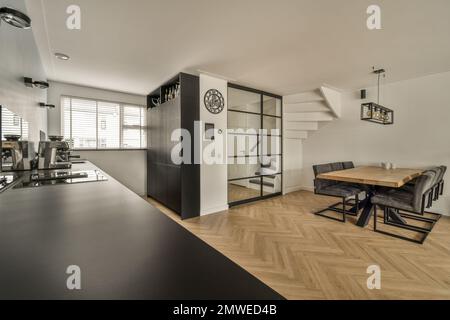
(304, 111)
(302, 115)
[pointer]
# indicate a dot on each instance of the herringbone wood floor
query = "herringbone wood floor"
(303, 256)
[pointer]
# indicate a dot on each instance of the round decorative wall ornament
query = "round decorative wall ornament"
(214, 101)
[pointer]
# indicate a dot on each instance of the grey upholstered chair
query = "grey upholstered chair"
(348, 165)
(434, 185)
(335, 189)
(441, 188)
(337, 166)
(440, 183)
(395, 201)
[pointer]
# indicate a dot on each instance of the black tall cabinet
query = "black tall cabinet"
(175, 186)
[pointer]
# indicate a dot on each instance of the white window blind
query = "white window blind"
(109, 125)
(92, 124)
(133, 121)
(14, 124)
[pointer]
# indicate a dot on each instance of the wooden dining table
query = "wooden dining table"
(372, 177)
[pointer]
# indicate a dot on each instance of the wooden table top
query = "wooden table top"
(376, 176)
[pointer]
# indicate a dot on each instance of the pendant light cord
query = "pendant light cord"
(378, 97)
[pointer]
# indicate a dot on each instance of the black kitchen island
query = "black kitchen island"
(125, 248)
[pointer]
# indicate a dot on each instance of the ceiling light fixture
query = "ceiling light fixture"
(62, 56)
(374, 112)
(35, 84)
(15, 18)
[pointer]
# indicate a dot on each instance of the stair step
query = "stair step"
(265, 183)
(292, 134)
(311, 116)
(305, 107)
(309, 96)
(301, 126)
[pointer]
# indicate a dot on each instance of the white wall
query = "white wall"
(419, 138)
(128, 167)
(292, 165)
(213, 178)
(19, 58)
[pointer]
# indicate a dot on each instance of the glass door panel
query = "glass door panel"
(272, 125)
(244, 190)
(269, 145)
(243, 167)
(254, 145)
(271, 106)
(270, 165)
(244, 122)
(241, 145)
(271, 184)
(246, 101)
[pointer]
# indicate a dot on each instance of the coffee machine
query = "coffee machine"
(54, 154)
(17, 155)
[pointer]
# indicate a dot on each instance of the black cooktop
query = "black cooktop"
(58, 177)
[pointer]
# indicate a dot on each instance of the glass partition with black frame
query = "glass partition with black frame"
(255, 151)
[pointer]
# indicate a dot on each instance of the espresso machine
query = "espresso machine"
(17, 155)
(54, 154)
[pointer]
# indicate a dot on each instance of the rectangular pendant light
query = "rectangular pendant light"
(374, 112)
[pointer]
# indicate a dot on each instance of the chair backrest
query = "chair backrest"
(442, 174)
(322, 168)
(319, 184)
(348, 165)
(438, 172)
(422, 185)
(337, 166)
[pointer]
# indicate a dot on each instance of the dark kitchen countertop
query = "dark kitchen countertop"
(126, 248)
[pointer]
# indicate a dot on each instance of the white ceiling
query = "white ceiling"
(281, 46)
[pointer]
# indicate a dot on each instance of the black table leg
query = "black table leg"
(367, 211)
(365, 215)
(362, 204)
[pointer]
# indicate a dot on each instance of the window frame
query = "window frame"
(121, 122)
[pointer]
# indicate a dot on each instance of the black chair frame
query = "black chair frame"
(410, 215)
(354, 203)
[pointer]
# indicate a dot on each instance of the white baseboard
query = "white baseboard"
(287, 190)
(207, 211)
(297, 188)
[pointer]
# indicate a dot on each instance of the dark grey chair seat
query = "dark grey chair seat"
(401, 199)
(341, 190)
(408, 198)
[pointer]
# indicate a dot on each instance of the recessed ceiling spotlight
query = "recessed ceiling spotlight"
(15, 18)
(62, 56)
